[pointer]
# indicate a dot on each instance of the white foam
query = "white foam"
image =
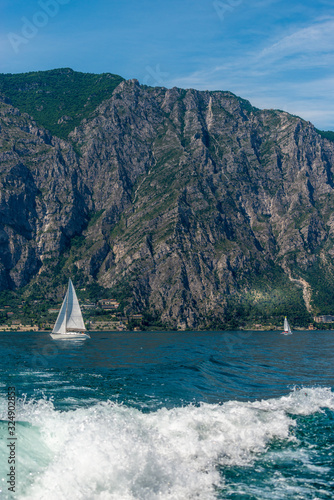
(301, 401)
(113, 452)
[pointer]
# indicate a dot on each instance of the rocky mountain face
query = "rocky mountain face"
(190, 205)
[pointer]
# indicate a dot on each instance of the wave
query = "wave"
(110, 451)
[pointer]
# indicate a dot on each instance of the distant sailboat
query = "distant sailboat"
(70, 324)
(287, 329)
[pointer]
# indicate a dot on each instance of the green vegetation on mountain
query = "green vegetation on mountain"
(58, 99)
(327, 134)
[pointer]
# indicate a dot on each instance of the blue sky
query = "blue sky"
(276, 53)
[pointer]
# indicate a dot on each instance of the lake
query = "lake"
(168, 415)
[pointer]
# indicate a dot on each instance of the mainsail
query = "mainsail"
(69, 318)
(287, 328)
(74, 320)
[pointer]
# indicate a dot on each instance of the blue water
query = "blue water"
(170, 415)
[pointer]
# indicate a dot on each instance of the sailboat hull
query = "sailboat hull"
(70, 336)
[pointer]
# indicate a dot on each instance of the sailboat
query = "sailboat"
(287, 329)
(70, 324)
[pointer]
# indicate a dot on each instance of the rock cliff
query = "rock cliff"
(193, 206)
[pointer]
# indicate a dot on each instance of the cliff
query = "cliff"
(192, 206)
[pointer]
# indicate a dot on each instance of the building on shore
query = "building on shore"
(108, 304)
(18, 327)
(136, 317)
(325, 318)
(107, 325)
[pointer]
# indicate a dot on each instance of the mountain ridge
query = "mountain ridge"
(190, 205)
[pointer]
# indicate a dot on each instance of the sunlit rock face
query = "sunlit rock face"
(185, 200)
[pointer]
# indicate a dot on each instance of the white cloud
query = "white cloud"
(318, 37)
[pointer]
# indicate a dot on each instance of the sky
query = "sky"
(275, 53)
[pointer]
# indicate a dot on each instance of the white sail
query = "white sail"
(70, 324)
(60, 325)
(287, 328)
(74, 319)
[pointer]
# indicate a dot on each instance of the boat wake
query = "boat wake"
(111, 451)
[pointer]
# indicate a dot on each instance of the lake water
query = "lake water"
(169, 416)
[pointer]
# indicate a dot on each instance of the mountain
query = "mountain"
(193, 207)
